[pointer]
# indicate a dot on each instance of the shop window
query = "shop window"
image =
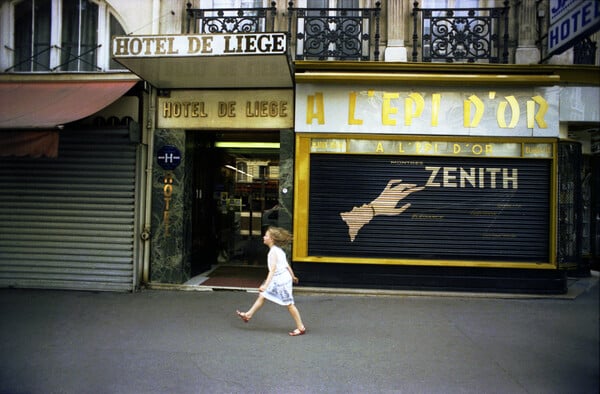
(60, 35)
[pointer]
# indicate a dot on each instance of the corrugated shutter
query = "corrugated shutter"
(68, 223)
(471, 209)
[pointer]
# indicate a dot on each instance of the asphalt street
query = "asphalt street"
(164, 341)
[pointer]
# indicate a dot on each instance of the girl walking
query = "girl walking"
(278, 285)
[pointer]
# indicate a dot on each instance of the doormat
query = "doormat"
(236, 276)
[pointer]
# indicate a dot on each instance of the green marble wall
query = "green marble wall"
(172, 197)
(170, 255)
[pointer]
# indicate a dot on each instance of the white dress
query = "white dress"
(280, 288)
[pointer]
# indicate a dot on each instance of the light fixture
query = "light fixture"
(232, 168)
(241, 144)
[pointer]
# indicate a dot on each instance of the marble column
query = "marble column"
(169, 261)
(527, 52)
(397, 14)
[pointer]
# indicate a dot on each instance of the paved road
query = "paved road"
(158, 341)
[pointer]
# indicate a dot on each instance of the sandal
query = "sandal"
(298, 331)
(243, 316)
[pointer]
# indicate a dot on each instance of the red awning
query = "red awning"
(29, 143)
(33, 103)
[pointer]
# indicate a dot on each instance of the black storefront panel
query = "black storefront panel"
(461, 208)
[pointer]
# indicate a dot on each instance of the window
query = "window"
(79, 36)
(237, 3)
(32, 36)
(60, 35)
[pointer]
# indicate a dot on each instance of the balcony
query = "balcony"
(460, 34)
(448, 35)
(334, 33)
(231, 20)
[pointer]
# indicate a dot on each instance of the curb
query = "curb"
(576, 287)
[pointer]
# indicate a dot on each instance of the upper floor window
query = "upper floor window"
(32, 35)
(237, 3)
(60, 35)
(79, 36)
(230, 16)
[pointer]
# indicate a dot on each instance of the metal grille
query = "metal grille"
(68, 223)
(569, 204)
(231, 20)
(470, 210)
(335, 33)
(461, 34)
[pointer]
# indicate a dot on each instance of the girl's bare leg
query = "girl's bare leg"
(256, 306)
(296, 315)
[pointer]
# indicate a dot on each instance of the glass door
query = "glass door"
(238, 181)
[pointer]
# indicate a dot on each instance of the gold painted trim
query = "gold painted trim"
(427, 263)
(427, 78)
(301, 193)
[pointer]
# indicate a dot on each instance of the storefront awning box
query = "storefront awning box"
(254, 60)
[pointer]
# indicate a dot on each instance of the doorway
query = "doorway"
(235, 183)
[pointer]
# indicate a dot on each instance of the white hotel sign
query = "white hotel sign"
(199, 45)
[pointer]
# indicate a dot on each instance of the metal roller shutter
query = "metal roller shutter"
(68, 223)
(471, 209)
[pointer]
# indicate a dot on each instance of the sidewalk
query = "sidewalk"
(159, 341)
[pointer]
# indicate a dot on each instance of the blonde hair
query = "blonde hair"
(280, 236)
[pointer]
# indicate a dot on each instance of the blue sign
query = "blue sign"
(168, 157)
(577, 20)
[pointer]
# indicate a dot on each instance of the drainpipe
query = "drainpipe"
(146, 234)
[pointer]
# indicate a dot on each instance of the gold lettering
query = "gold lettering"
(436, 100)
(501, 113)
(479, 107)
(539, 116)
(202, 44)
(352, 110)
(226, 109)
(379, 148)
(388, 110)
(409, 114)
(120, 47)
(315, 113)
(194, 45)
(167, 110)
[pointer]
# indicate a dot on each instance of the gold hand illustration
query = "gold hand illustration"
(385, 204)
(394, 192)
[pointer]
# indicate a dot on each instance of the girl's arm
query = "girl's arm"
(265, 284)
(294, 278)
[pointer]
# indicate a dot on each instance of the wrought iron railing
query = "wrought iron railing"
(334, 33)
(584, 51)
(83, 61)
(231, 20)
(460, 34)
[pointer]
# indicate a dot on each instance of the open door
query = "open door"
(236, 183)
